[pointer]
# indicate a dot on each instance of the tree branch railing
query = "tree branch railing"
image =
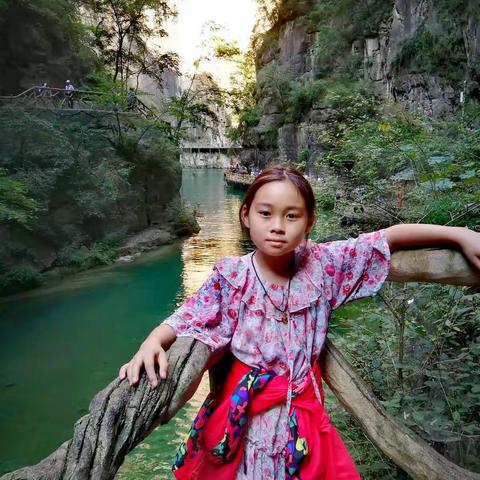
(82, 100)
(120, 417)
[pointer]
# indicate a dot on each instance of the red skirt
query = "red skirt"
(327, 458)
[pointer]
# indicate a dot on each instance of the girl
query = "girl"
(270, 308)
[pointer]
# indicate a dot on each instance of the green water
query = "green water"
(59, 346)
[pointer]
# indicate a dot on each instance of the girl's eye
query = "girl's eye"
(264, 213)
(292, 216)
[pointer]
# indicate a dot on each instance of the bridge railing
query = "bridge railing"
(57, 98)
(120, 417)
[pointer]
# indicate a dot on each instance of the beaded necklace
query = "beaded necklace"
(285, 317)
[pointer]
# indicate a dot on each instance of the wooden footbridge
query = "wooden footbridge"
(58, 99)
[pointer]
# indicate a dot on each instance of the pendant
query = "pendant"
(284, 318)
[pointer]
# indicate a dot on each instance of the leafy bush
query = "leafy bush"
(301, 99)
(251, 117)
(330, 48)
(434, 162)
(274, 82)
(355, 19)
(84, 257)
(23, 277)
(15, 204)
(269, 138)
(420, 352)
(442, 55)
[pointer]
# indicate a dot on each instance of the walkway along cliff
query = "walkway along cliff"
(120, 417)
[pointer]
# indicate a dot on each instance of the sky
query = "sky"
(236, 16)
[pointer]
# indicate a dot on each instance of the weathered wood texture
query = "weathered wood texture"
(120, 416)
(433, 265)
(397, 442)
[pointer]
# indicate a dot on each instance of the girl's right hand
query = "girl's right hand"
(149, 354)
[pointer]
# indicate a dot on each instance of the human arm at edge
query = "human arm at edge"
(417, 235)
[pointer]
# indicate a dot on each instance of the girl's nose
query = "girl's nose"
(278, 225)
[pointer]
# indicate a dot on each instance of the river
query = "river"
(62, 344)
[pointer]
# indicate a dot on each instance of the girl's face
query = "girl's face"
(277, 218)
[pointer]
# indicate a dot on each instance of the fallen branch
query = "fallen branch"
(397, 442)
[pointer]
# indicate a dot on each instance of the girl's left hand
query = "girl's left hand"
(470, 243)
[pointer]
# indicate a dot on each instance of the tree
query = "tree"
(194, 105)
(122, 31)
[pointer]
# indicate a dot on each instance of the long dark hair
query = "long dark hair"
(279, 173)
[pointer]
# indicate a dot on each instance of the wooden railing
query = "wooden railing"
(120, 416)
(80, 100)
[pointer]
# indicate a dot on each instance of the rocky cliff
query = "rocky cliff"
(419, 53)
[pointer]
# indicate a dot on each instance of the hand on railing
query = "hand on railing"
(149, 355)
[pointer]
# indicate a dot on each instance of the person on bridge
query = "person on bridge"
(69, 89)
(270, 308)
(43, 91)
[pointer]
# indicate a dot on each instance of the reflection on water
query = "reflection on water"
(220, 233)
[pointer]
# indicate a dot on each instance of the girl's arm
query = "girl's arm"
(413, 235)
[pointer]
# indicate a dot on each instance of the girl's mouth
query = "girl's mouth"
(276, 243)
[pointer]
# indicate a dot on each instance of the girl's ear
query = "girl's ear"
(245, 216)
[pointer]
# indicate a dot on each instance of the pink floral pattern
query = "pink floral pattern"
(231, 309)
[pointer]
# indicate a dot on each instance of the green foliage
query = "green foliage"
(82, 257)
(122, 30)
(239, 99)
(42, 41)
(352, 100)
(251, 117)
(225, 50)
(442, 55)
(434, 162)
(354, 19)
(331, 48)
(15, 204)
(20, 278)
(325, 191)
(73, 184)
(301, 99)
(421, 356)
(275, 82)
(188, 111)
(269, 138)
(112, 93)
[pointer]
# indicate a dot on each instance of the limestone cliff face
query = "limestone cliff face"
(207, 145)
(292, 47)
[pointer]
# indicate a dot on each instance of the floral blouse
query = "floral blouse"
(231, 308)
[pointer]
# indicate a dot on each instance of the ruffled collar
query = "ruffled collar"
(239, 273)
